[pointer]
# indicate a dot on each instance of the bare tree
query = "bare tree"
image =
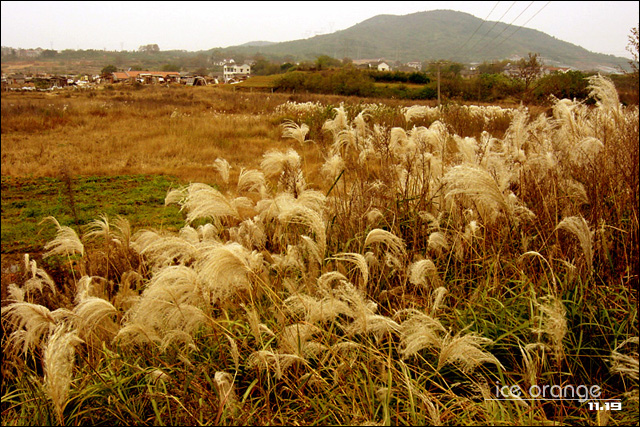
(632, 48)
(529, 69)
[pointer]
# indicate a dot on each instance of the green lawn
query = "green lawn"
(27, 201)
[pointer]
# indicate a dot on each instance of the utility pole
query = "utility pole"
(438, 83)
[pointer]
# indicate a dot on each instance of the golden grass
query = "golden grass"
(154, 130)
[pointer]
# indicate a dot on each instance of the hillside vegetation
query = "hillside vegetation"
(436, 35)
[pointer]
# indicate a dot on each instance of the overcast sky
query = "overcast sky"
(599, 26)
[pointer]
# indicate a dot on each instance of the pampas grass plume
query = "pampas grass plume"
(65, 243)
(58, 366)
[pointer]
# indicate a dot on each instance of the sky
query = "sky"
(598, 26)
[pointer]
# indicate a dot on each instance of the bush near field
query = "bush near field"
(419, 86)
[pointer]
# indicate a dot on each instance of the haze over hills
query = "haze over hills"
(437, 35)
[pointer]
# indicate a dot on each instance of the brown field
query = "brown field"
(177, 131)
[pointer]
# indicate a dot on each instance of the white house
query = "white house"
(383, 66)
(235, 72)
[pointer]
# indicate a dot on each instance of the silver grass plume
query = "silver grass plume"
(586, 150)
(157, 376)
(363, 314)
(176, 196)
(268, 360)
(203, 201)
(312, 199)
(172, 301)
(162, 250)
(625, 364)
(15, 293)
(290, 129)
(293, 212)
(414, 112)
(423, 273)
(296, 339)
(38, 278)
(177, 338)
(332, 167)
(395, 246)
(437, 241)
(438, 296)
(235, 353)
(223, 382)
(604, 91)
(285, 166)
(346, 140)
(338, 123)
(477, 184)
(578, 226)
(467, 148)
(251, 181)
(358, 260)
(399, 142)
(31, 322)
(228, 269)
(325, 280)
(374, 216)
(95, 317)
(531, 365)
(99, 229)
(58, 361)
(223, 168)
(360, 123)
(419, 331)
(466, 352)
(316, 310)
(250, 234)
(552, 323)
(65, 243)
(516, 137)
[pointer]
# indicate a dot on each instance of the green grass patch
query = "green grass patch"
(78, 201)
(260, 81)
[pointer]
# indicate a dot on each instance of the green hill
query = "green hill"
(440, 34)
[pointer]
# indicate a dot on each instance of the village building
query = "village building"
(146, 77)
(234, 73)
(380, 64)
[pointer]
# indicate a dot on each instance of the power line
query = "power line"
(518, 29)
(494, 24)
(460, 49)
(505, 29)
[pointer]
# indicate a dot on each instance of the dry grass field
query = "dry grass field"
(326, 260)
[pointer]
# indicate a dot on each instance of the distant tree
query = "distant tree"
(419, 78)
(263, 67)
(149, 48)
(633, 49)
(286, 67)
(48, 53)
(529, 69)
(492, 67)
(447, 68)
(108, 70)
(201, 71)
(171, 67)
(324, 62)
(570, 85)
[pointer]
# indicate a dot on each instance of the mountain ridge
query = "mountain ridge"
(437, 35)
